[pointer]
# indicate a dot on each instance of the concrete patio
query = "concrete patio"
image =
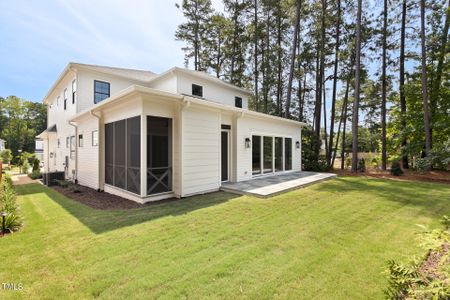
(268, 186)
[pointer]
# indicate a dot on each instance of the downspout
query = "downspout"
(101, 181)
(76, 150)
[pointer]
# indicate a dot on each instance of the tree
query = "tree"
(298, 6)
(6, 156)
(384, 88)
(357, 90)
(192, 32)
(335, 80)
(402, 82)
(426, 115)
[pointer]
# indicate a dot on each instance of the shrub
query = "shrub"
(62, 183)
(375, 163)
(36, 165)
(75, 188)
(422, 164)
(6, 156)
(8, 204)
(396, 170)
(36, 174)
(361, 165)
(440, 155)
(348, 162)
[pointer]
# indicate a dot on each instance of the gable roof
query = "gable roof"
(202, 75)
(133, 74)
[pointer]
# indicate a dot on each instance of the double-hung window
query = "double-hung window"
(101, 91)
(74, 90)
(65, 99)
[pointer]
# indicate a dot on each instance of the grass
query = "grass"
(327, 241)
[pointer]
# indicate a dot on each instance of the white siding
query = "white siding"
(168, 84)
(248, 126)
(88, 154)
(200, 150)
(211, 91)
(86, 79)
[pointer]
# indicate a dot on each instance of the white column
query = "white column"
(143, 155)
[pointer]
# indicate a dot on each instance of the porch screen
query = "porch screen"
(123, 154)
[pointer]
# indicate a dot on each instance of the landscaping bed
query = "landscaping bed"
(429, 176)
(100, 200)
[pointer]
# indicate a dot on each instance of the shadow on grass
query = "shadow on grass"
(431, 198)
(100, 221)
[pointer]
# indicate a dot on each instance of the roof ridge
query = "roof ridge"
(110, 67)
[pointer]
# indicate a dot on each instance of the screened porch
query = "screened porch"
(125, 166)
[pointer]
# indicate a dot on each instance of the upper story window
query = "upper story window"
(67, 142)
(65, 99)
(74, 90)
(80, 140)
(238, 102)
(57, 100)
(197, 90)
(101, 91)
(59, 143)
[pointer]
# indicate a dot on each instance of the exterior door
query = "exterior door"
(225, 153)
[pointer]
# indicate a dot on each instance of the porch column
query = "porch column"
(143, 155)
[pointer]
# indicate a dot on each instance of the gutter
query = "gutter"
(76, 150)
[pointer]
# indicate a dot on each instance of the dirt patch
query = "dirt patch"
(429, 268)
(102, 200)
(430, 176)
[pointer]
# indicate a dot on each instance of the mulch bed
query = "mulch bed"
(430, 176)
(429, 267)
(102, 200)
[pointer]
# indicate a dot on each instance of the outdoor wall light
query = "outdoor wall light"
(247, 143)
(297, 144)
(3, 222)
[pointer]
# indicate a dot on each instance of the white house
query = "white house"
(147, 137)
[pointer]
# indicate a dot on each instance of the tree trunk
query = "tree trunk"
(343, 115)
(325, 119)
(384, 87)
(436, 86)
(426, 115)
(293, 56)
(335, 79)
(279, 63)
(255, 41)
(402, 84)
(319, 78)
(357, 90)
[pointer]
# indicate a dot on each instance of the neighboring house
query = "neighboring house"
(39, 149)
(147, 137)
(2, 145)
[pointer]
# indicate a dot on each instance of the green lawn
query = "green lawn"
(327, 241)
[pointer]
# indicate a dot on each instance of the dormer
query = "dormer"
(201, 85)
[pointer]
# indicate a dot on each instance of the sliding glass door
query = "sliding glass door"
(268, 155)
(278, 154)
(256, 155)
(271, 154)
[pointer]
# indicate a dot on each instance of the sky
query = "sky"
(39, 38)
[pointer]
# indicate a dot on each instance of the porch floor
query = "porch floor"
(268, 186)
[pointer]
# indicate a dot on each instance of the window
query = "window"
(278, 154)
(101, 91)
(197, 90)
(267, 154)
(256, 155)
(72, 147)
(238, 102)
(123, 154)
(57, 100)
(65, 99)
(80, 140)
(59, 143)
(67, 142)
(95, 138)
(74, 90)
